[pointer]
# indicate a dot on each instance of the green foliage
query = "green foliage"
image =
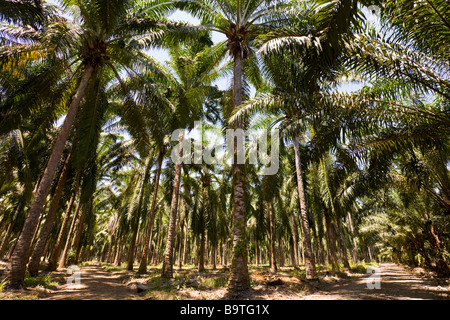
(44, 280)
(3, 284)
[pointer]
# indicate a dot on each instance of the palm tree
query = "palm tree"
(194, 66)
(318, 37)
(102, 36)
(241, 22)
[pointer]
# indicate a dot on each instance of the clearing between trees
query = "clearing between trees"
(105, 282)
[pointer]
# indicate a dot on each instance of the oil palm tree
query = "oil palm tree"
(195, 69)
(101, 36)
(241, 22)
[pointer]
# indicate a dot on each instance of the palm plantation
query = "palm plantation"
(95, 134)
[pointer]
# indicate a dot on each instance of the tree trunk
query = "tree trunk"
(295, 241)
(151, 216)
(331, 241)
(205, 184)
(5, 241)
(78, 232)
(35, 260)
(273, 264)
(62, 259)
(167, 268)
(355, 245)
(131, 252)
(213, 257)
(20, 256)
(155, 255)
(118, 256)
(343, 247)
(53, 260)
(309, 257)
(257, 252)
(239, 279)
(181, 246)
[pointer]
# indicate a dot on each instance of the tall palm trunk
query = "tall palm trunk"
(19, 258)
(131, 253)
(273, 264)
(331, 240)
(5, 241)
(343, 247)
(151, 217)
(35, 260)
(167, 268)
(356, 258)
(239, 278)
(62, 258)
(53, 260)
(182, 241)
(309, 257)
(79, 232)
(205, 184)
(202, 246)
(295, 242)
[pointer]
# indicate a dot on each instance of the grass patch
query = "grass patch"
(214, 283)
(115, 268)
(3, 284)
(161, 289)
(362, 267)
(43, 280)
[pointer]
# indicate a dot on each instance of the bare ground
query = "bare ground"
(97, 282)
(396, 283)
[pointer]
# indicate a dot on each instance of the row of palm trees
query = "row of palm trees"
(347, 158)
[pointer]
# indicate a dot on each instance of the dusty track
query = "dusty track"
(396, 283)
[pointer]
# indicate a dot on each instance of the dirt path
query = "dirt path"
(95, 284)
(395, 283)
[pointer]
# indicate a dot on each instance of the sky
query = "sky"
(162, 55)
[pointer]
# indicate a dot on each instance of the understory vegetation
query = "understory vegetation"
(92, 166)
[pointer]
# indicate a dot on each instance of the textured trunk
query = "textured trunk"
(201, 256)
(151, 217)
(239, 278)
(205, 185)
(186, 248)
(155, 255)
(118, 256)
(53, 260)
(355, 245)
(33, 266)
(5, 241)
(20, 256)
(167, 268)
(295, 241)
(343, 247)
(131, 252)
(213, 257)
(273, 264)
(309, 257)
(181, 246)
(132, 247)
(79, 231)
(62, 259)
(257, 252)
(331, 241)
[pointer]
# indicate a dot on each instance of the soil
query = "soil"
(97, 282)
